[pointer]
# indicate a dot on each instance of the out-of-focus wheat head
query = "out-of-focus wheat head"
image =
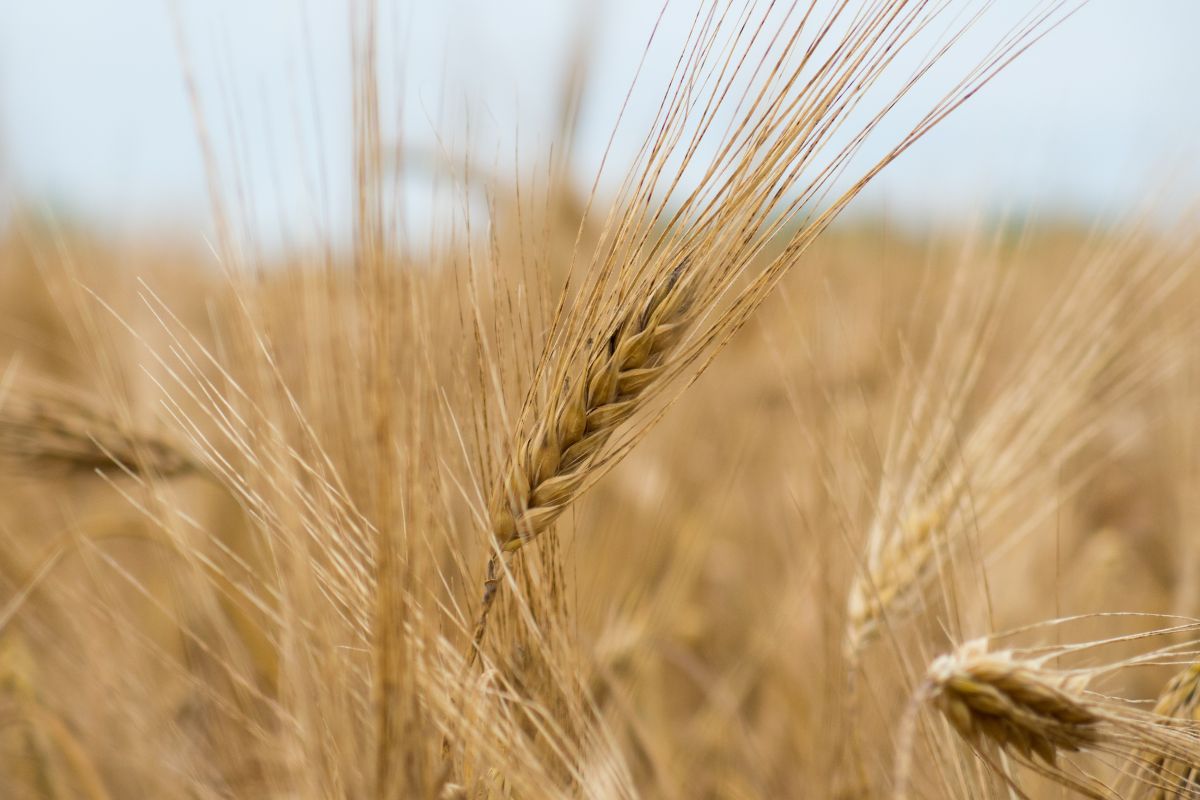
(1170, 779)
(57, 432)
(949, 474)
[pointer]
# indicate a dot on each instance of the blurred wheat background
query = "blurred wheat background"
(478, 401)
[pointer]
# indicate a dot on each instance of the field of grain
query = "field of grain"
(675, 489)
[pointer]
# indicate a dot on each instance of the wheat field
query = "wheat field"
(667, 487)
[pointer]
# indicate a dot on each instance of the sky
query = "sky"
(95, 119)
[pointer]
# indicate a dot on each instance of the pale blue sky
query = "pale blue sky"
(94, 120)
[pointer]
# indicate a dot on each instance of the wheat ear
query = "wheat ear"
(549, 468)
(1179, 700)
(1015, 705)
(77, 437)
(771, 183)
(1009, 702)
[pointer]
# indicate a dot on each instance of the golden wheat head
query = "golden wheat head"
(549, 468)
(993, 698)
